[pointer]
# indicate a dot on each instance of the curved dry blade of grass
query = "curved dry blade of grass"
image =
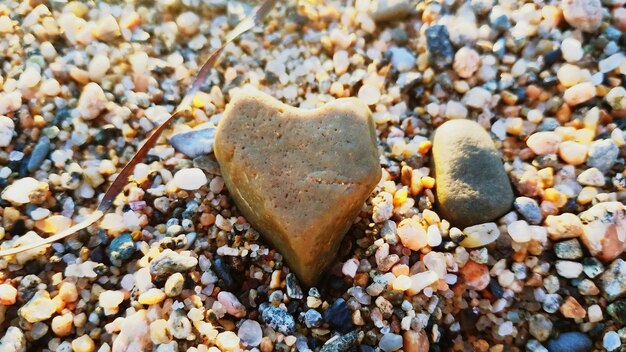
(122, 179)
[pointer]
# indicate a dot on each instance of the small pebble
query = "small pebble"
(190, 179)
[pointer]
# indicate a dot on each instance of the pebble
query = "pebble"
(250, 333)
(412, 234)
(39, 308)
(83, 343)
(279, 320)
(591, 177)
(604, 230)
(18, 192)
(134, 333)
(477, 98)
(519, 231)
(390, 342)
(350, 267)
(585, 15)
(338, 315)
(579, 93)
(469, 174)
(169, 262)
(616, 98)
(529, 209)
(544, 142)
(92, 101)
(572, 50)
(480, 235)
(440, 50)
(196, 142)
(455, 110)
(602, 155)
(227, 341)
(613, 280)
(369, 94)
(610, 63)
(617, 311)
(312, 318)
(402, 59)
(174, 285)
(568, 269)
(386, 10)
(414, 341)
(540, 327)
(188, 22)
(570, 341)
(121, 248)
(611, 341)
(190, 179)
(232, 304)
(466, 62)
(7, 128)
(569, 249)
(342, 343)
(335, 189)
(13, 340)
(62, 324)
(569, 75)
(573, 153)
(8, 294)
(476, 276)
(111, 299)
(572, 309)
(594, 313)
(152, 296)
(179, 325)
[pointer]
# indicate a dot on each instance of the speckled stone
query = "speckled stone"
(472, 186)
(279, 320)
(299, 176)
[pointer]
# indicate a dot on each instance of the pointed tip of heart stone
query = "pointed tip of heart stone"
(300, 177)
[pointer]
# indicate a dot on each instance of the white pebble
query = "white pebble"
(19, 190)
(91, 102)
(39, 214)
(572, 50)
(455, 110)
(477, 98)
(545, 142)
(519, 231)
(434, 235)
(190, 179)
(579, 93)
(616, 97)
(350, 267)
(610, 63)
(98, 66)
(29, 78)
(341, 61)
(568, 269)
(569, 75)
(50, 87)
(7, 127)
(466, 62)
(369, 93)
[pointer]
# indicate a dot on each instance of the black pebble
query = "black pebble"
(339, 316)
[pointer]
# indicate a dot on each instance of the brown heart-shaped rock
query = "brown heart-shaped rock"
(300, 177)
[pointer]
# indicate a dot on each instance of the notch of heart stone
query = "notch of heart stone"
(300, 177)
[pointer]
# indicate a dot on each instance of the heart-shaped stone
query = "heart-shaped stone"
(300, 177)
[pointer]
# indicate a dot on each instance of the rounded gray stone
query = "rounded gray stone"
(471, 183)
